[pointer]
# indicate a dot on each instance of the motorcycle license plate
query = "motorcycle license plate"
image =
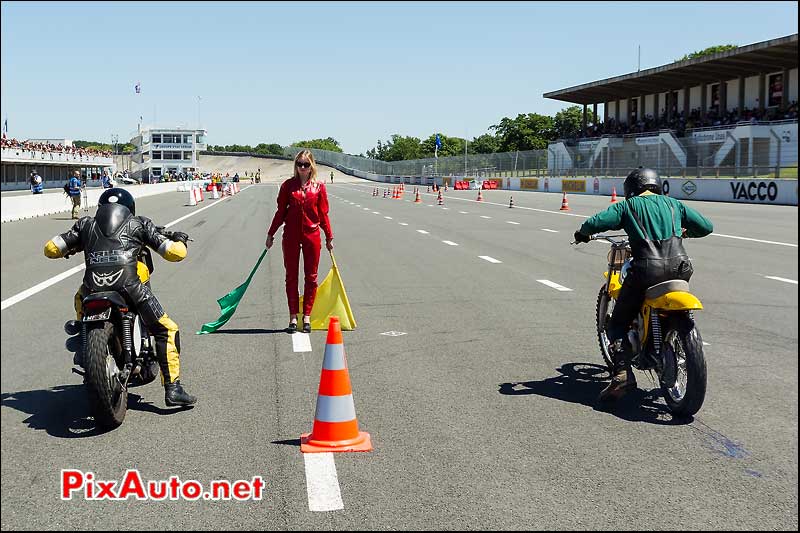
(103, 315)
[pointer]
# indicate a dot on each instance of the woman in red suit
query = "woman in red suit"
(303, 207)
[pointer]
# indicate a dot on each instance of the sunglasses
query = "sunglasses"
(303, 165)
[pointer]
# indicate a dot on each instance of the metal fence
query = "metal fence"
(703, 152)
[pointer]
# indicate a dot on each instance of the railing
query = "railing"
(19, 155)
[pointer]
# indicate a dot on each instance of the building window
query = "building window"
(187, 156)
(200, 138)
(156, 171)
(156, 155)
(156, 138)
(186, 139)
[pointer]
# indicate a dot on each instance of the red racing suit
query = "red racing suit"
(303, 210)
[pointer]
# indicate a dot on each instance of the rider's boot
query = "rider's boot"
(175, 395)
(622, 378)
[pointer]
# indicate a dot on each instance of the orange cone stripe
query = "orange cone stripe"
(335, 383)
(327, 431)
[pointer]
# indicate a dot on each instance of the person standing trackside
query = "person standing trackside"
(331, 176)
(303, 207)
(74, 192)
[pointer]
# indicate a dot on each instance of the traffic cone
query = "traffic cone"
(214, 193)
(613, 195)
(511, 202)
(417, 200)
(192, 200)
(480, 195)
(335, 423)
(429, 188)
(564, 204)
(440, 199)
(445, 186)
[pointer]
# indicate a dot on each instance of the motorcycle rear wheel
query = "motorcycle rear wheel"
(108, 398)
(682, 349)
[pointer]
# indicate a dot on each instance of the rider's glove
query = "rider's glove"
(580, 237)
(179, 236)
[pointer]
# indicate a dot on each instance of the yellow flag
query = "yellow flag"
(331, 300)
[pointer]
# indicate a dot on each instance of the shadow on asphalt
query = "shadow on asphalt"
(288, 442)
(248, 331)
(582, 382)
(63, 411)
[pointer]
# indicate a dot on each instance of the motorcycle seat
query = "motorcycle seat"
(660, 289)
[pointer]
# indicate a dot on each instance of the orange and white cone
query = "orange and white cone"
(564, 204)
(480, 195)
(418, 200)
(511, 202)
(613, 195)
(440, 199)
(192, 199)
(214, 192)
(335, 423)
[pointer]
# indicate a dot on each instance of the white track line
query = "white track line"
(555, 286)
(388, 218)
(403, 223)
(776, 278)
(550, 230)
(484, 216)
(511, 222)
(490, 259)
(754, 240)
(422, 231)
(451, 243)
(301, 342)
(322, 482)
(8, 302)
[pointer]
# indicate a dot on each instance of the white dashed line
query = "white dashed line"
(464, 212)
(322, 483)
(484, 216)
(490, 259)
(510, 222)
(550, 230)
(422, 231)
(451, 243)
(388, 218)
(776, 278)
(402, 223)
(301, 342)
(375, 213)
(555, 286)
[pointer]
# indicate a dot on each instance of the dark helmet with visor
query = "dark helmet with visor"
(640, 180)
(117, 195)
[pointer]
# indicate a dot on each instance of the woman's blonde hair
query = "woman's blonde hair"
(308, 155)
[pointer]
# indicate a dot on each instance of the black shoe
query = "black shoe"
(306, 327)
(175, 395)
(292, 327)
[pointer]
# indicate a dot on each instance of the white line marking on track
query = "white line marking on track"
(484, 216)
(490, 259)
(8, 302)
(550, 230)
(403, 223)
(555, 286)
(322, 482)
(388, 218)
(422, 231)
(754, 240)
(301, 342)
(451, 243)
(375, 213)
(510, 222)
(705, 343)
(464, 212)
(776, 278)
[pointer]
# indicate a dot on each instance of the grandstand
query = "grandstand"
(684, 119)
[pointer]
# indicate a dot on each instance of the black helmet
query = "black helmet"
(640, 180)
(117, 195)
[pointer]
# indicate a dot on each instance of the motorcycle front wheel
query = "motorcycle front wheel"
(108, 398)
(684, 379)
(605, 306)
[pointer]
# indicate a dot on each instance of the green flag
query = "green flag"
(230, 301)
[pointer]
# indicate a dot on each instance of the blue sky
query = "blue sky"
(358, 72)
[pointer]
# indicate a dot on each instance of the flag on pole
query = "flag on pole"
(230, 302)
(331, 300)
(5, 126)
(138, 87)
(438, 145)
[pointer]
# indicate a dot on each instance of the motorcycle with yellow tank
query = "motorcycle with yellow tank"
(664, 336)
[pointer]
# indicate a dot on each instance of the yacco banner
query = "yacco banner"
(705, 137)
(573, 185)
(529, 184)
(645, 141)
(777, 192)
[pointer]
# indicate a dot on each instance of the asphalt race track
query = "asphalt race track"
(482, 413)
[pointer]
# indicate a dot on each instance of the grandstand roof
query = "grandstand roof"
(750, 60)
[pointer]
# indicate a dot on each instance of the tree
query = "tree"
(484, 144)
(569, 122)
(268, 149)
(401, 148)
(526, 132)
(329, 143)
(450, 146)
(709, 51)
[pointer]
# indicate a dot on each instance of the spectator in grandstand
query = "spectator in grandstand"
(303, 208)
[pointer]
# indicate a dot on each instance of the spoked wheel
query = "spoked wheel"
(605, 306)
(108, 398)
(684, 378)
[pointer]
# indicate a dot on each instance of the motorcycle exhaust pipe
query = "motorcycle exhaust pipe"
(72, 327)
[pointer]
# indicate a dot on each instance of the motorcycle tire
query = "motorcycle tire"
(604, 308)
(108, 398)
(682, 349)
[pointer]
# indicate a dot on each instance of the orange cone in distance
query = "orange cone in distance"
(335, 423)
(417, 200)
(613, 195)
(564, 204)
(480, 195)
(440, 199)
